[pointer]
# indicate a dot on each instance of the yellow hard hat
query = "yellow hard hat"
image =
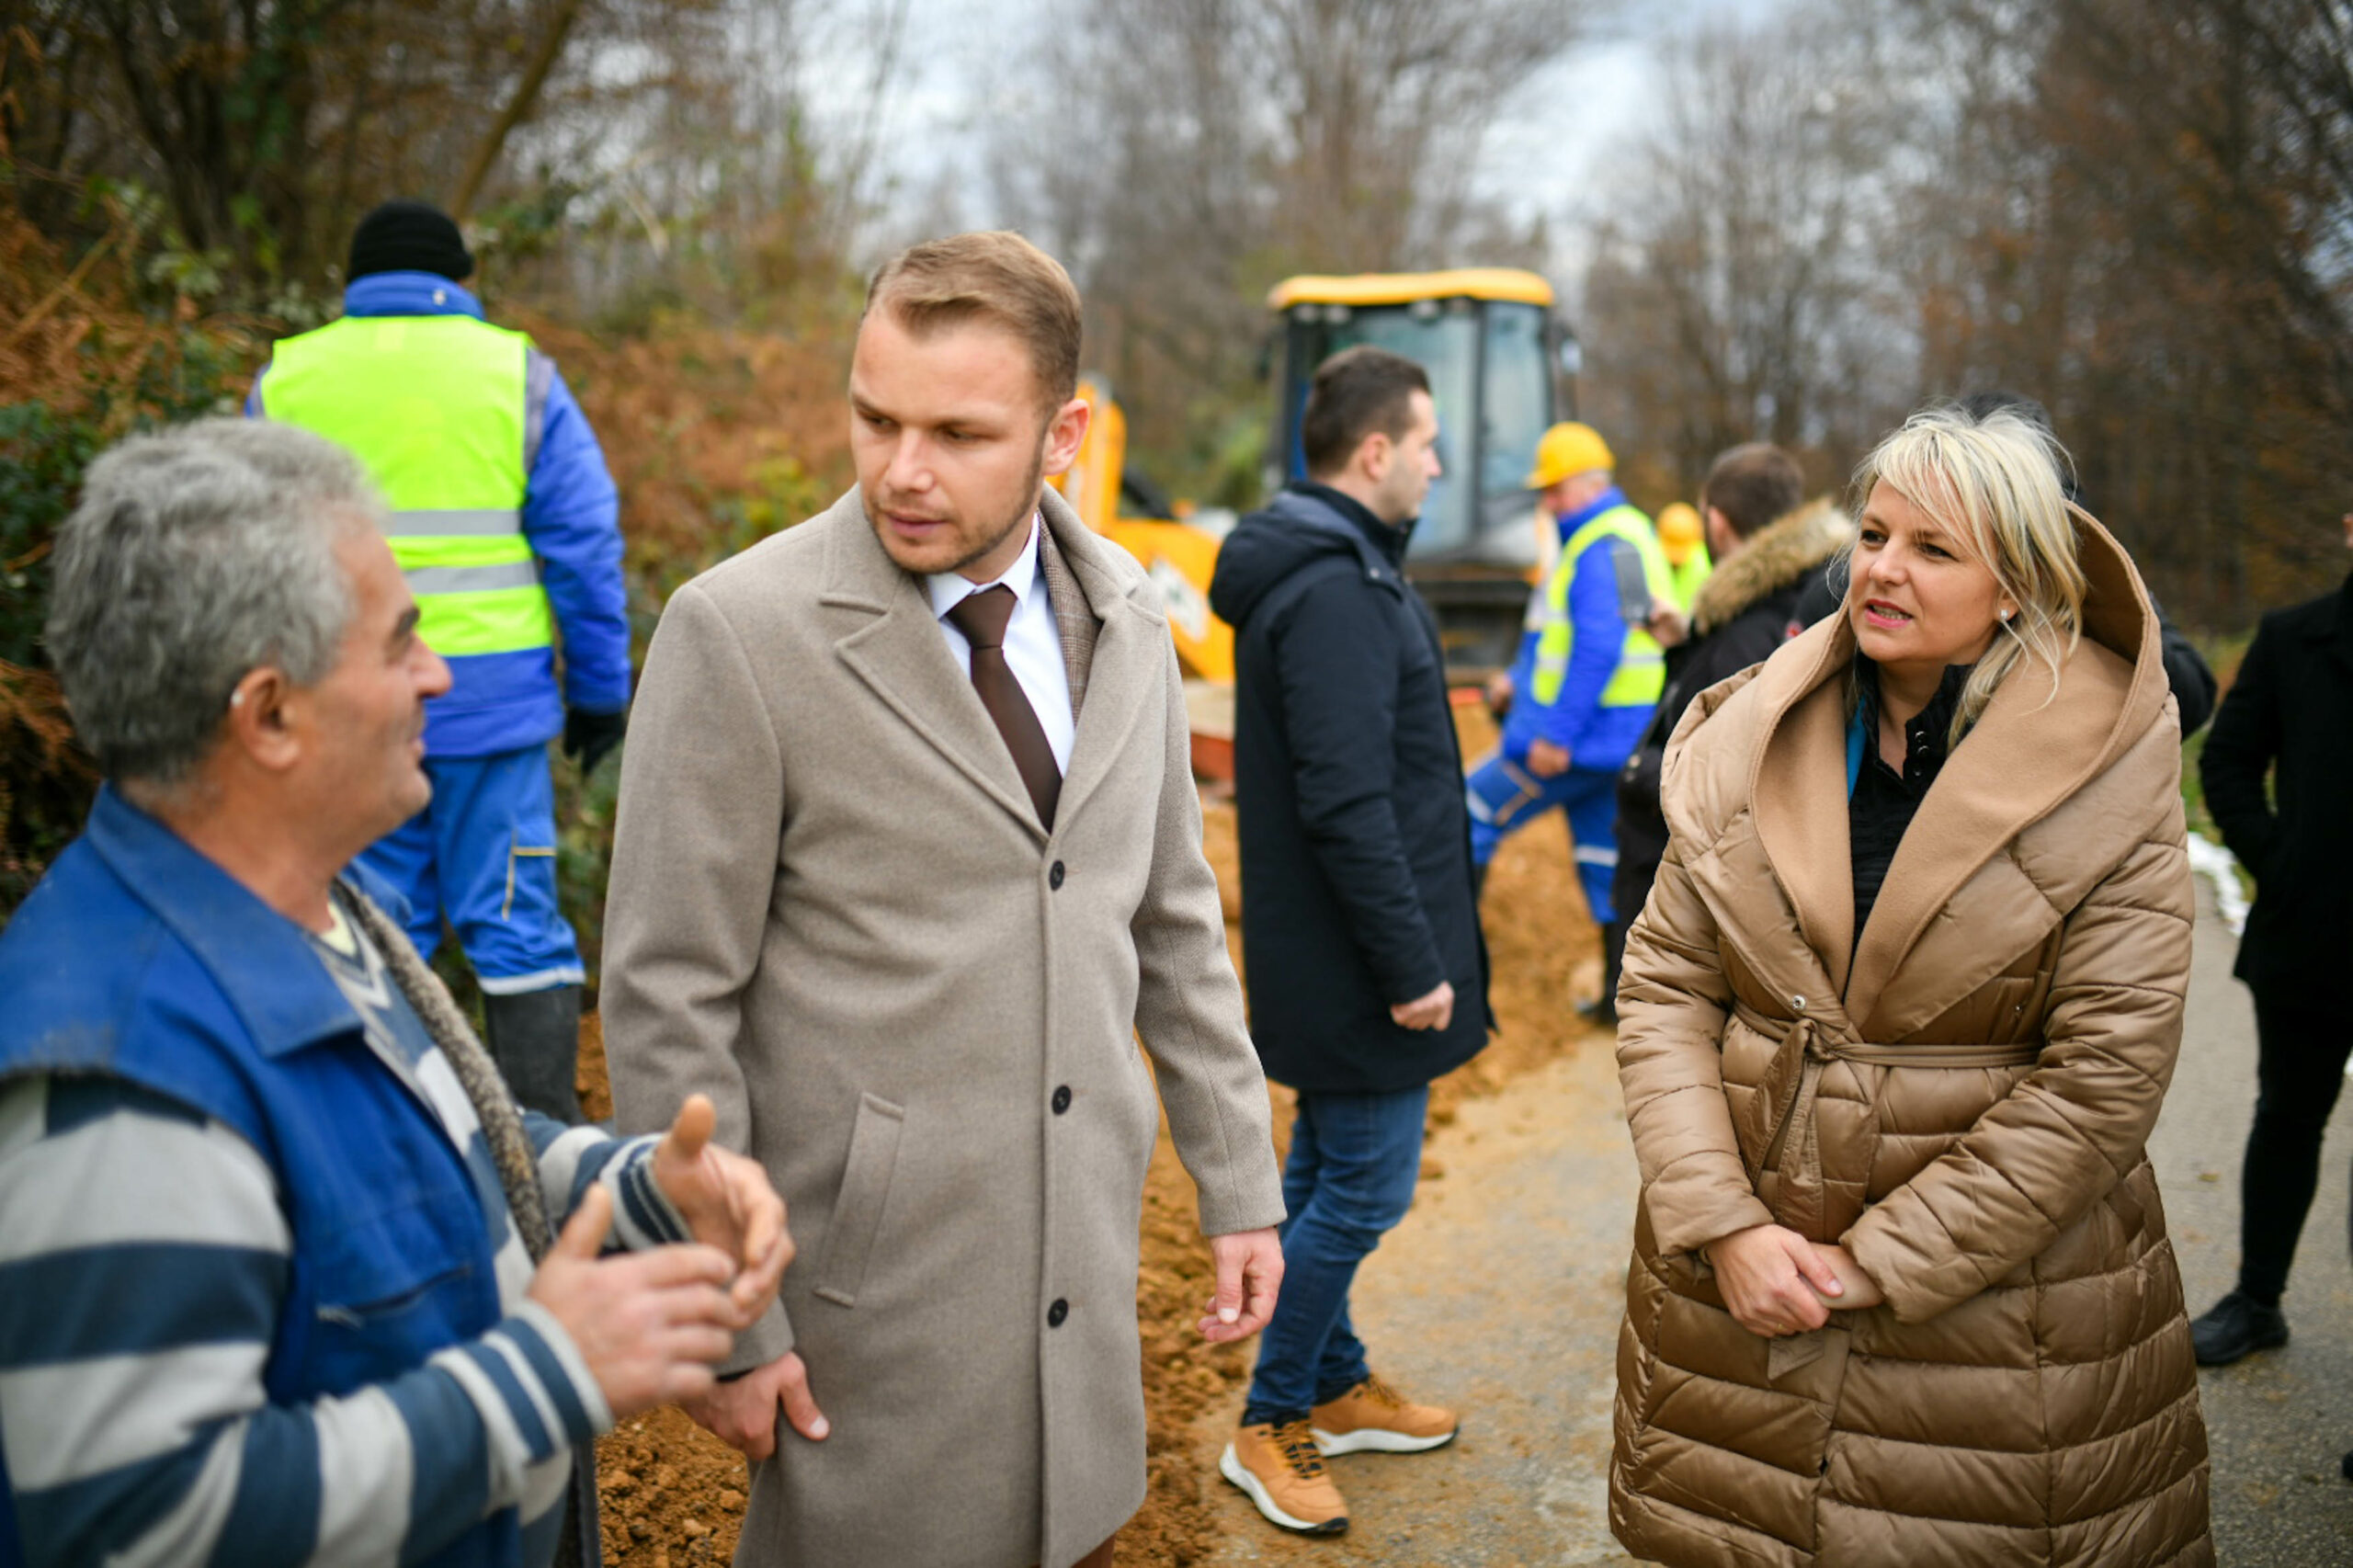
(1566, 451)
(1678, 531)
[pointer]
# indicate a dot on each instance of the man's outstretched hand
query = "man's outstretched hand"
(1249, 1273)
(727, 1201)
(650, 1324)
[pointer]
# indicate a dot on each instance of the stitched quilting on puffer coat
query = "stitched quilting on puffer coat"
(1962, 1103)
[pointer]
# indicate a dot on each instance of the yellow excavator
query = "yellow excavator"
(1501, 368)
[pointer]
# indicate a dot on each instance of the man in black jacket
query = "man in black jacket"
(2288, 714)
(1361, 941)
(1767, 549)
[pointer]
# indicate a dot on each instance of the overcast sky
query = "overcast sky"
(1549, 147)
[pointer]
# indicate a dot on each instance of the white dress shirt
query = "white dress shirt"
(1033, 641)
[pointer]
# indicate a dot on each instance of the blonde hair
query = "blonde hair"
(1992, 483)
(995, 276)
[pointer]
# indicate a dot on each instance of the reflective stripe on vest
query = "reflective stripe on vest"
(1640, 675)
(444, 412)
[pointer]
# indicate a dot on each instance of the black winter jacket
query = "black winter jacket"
(1747, 607)
(2290, 713)
(1356, 842)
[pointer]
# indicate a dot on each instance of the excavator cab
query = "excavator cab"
(1501, 365)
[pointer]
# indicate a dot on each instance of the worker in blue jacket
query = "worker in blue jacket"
(505, 522)
(1589, 675)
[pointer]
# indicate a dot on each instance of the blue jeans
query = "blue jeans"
(1505, 797)
(1354, 1161)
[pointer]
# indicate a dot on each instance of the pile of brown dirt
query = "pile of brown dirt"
(673, 1495)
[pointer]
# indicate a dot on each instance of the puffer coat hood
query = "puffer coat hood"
(1961, 1098)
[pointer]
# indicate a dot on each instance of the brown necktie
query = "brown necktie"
(981, 618)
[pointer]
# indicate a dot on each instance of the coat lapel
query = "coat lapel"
(1074, 619)
(1125, 662)
(896, 649)
(1801, 793)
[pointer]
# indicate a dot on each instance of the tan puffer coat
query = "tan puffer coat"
(1965, 1110)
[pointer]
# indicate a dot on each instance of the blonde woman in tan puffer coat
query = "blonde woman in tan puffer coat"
(1896, 1025)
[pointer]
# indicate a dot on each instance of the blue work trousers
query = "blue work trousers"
(1354, 1161)
(483, 852)
(1505, 797)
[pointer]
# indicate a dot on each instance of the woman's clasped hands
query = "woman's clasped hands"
(1775, 1282)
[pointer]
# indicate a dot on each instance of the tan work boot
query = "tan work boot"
(1373, 1418)
(1279, 1468)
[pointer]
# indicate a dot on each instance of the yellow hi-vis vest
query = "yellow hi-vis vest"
(1640, 675)
(1684, 581)
(441, 410)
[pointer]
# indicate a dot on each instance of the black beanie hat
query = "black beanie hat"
(409, 236)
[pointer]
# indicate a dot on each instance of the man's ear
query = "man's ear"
(263, 719)
(1719, 531)
(1374, 454)
(1065, 432)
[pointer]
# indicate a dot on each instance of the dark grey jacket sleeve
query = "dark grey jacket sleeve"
(2186, 672)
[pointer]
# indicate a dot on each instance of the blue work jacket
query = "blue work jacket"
(500, 702)
(139, 959)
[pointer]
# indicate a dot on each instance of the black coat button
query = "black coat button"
(1061, 1099)
(1055, 1314)
(1054, 876)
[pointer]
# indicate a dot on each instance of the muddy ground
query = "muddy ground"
(673, 1495)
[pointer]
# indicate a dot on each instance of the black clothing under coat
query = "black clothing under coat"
(1356, 840)
(2289, 713)
(1883, 802)
(1746, 609)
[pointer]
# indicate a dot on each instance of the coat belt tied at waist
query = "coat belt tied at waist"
(1791, 1146)
(1792, 1150)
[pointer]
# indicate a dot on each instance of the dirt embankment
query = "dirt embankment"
(673, 1495)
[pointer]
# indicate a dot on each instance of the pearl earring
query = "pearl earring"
(2007, 613)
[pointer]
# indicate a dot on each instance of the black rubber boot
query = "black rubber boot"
(1603, 1009)
(535, 1040)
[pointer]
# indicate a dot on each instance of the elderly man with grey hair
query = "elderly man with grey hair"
(285, 1274)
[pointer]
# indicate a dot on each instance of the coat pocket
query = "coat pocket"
(390, 1287)
(858, 1213)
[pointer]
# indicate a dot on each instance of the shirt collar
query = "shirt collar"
(949, 589)
(260, 959)
(408, 294)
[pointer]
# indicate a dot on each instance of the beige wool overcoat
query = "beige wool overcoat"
(1963, 1105)
(834, 910)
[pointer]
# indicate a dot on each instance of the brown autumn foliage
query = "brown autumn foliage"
(80, 365)
(2133, 210)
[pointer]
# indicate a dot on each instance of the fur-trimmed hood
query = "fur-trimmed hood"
(1782, 552)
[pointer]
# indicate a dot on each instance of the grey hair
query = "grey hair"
(198, 555)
